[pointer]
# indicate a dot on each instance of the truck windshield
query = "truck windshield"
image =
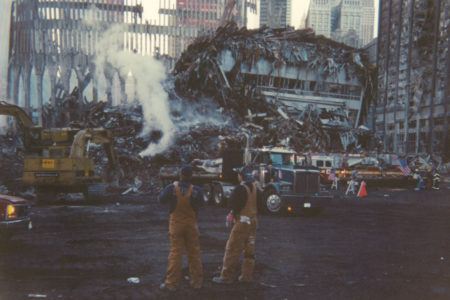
(285, 159)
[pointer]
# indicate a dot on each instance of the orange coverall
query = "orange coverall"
(242, 239)
(184, 233)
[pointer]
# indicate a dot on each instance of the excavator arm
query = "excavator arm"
(93, 135)
(31, 134)
(23, 120)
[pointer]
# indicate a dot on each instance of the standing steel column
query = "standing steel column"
(39, 68)
(437, 12)
(10, 48)
(26, 81)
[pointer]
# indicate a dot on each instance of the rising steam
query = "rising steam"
(148, 74)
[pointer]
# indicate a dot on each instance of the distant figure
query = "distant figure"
(334, 179)
(436, 179)
(420, 184)
(184, 200)
(352, 187)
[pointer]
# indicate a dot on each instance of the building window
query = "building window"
(402, 125)
(438, 121)
(412, 124)
(423, 123)
(391, 126)
(411, 147)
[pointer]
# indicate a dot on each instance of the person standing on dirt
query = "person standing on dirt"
(243, 234)
(184, 199)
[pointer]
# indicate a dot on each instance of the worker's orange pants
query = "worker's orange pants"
(242, 239)
(184, 236)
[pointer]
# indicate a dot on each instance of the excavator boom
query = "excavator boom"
(22, 118)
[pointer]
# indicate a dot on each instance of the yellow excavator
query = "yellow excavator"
(36, 139)
(56, 160)
(68, 169)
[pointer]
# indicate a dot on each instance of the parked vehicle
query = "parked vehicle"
(14, 215)
(285, 183)
(326, 163)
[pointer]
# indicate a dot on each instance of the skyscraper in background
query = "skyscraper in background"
(347, 21)
(275, 13)
(367, 21)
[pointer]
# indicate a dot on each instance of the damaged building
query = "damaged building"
(413, 76)
(293, 67)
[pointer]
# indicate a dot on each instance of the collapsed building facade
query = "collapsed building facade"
(293, 67)
(414, 70)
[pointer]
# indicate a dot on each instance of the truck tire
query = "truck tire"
(207, 193)
(272, 202)
(218, 195)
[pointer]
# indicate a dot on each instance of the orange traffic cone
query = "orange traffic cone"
(362, 190)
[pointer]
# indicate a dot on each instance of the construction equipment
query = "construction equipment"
(35, 139)
(56, 159)
(68, 169)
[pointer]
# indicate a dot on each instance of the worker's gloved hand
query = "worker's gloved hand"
(229, 220)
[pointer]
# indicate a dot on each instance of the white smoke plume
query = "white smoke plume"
(148, 74)
(5, 9)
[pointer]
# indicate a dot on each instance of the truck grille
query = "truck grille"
(306, 182)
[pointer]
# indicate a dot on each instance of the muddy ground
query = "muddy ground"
(393, 244)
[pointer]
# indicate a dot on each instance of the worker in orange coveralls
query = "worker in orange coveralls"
(243, 234)
(184, 200)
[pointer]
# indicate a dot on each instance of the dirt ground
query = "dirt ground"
(393, 244)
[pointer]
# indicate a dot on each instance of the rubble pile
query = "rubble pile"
(198, 72)
(198, 68)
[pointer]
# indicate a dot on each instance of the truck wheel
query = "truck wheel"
(218, 195)
(272, 202)
(206, 193)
